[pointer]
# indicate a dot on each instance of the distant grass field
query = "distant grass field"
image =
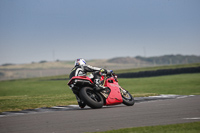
(23, 94)
(193, 127)
(158, 68)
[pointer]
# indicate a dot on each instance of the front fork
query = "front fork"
(123, 91)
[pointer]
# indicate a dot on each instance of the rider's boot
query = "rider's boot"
(100, 87)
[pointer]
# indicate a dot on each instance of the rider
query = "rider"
(81, 69)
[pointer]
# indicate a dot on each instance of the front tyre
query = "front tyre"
(91, 98)
(127, 98)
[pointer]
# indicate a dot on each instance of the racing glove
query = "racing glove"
(103, 71)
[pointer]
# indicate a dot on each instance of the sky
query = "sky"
(36, 30)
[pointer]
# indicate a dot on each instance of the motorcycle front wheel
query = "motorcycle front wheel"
(91, 98)
(128, 99)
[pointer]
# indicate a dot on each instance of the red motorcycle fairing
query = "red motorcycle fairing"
(115, 96)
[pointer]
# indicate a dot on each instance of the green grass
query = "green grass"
(42, 92)
(193, 127)
(34, 93)
(182, 84)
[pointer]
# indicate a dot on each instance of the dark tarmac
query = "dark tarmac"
(180, 109)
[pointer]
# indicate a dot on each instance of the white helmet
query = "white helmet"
(80, 62)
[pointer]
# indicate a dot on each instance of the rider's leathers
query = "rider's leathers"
(82, 71)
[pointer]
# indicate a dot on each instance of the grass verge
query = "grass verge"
(193, 127)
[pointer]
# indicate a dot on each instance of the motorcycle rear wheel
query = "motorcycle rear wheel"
(91, 98)
(128, 99)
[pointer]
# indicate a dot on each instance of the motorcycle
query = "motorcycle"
(84, 89)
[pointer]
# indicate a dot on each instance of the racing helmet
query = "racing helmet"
(80, 62)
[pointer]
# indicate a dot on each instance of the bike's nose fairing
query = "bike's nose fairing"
(115, 95)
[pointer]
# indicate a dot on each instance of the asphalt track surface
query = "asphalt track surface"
(146, 113)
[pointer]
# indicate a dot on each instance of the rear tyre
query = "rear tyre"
(128, 99)
(91, 98)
